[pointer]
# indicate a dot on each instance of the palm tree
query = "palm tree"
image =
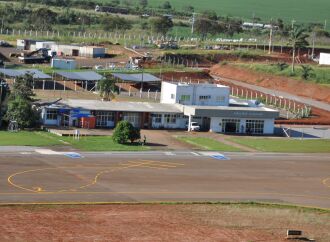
(107, 88)
(297, 39)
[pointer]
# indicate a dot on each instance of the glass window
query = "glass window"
(185, 98)
(230, 125)
(221, 98)
(103, 117)
(157, 118)
(254, 126)
(204, 97)
(133, 118)
(170, 118)
(172, 96)
(51, 114)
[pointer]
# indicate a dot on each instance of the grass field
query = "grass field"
(208, 144)
(299, 10)
(285, 145)
(321, 75)
(91, 143)
(102, 143)
(25, 138)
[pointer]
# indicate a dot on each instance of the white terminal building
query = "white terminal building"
(180, 104)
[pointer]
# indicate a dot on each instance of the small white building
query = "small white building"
(324, 59)
(64, 64)
(195, 94)
(78, 50)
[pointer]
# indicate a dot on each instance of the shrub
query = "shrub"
(125, 131)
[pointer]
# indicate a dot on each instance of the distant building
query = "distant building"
(78, 50)
(65, 64)
(324, 59)
(62, 49)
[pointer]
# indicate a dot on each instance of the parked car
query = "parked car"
(194, 126)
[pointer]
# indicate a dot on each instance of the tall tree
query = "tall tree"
(143, 3)
(162, 24)
(107, 88)
(297, 40)
(20, 103)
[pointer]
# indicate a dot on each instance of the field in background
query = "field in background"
(303, 11)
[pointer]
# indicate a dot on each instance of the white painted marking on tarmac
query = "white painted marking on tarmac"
(26, 153)
(73, 155)
(47, 152)
(169, 153)
(209, 153)
(195, 154)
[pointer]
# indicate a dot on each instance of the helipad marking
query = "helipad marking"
(220, 157)
(73, 155)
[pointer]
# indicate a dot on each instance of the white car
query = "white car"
(194, 126)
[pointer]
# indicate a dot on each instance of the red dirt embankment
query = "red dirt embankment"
(296, 87)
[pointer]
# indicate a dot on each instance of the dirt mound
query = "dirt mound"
(300, 88)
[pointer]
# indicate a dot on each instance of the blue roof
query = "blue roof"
(21, 72)
(81, 76)
(139, 77)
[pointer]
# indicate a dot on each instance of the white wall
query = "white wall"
(179, 124)
(166, 90)
(63, 64)
(324, 59)
(269, 126)
(195, 91)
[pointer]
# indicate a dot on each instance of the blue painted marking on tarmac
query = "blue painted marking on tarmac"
(220, 157)
(73, 155)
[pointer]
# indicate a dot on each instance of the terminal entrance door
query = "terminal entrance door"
(230, 125)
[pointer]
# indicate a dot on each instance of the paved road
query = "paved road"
(307, 101)
(30, 177)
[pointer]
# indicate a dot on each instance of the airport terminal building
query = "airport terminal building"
(180, 104)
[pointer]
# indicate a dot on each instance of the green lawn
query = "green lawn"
(39, 138)
(102, 143)
(208, 144)
(25, 138)
(285, 144)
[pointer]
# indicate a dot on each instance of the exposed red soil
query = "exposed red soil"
(187, 76)
(300, 88)
(149, 223)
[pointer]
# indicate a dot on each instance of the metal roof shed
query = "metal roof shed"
(80, 76)
(13, 73)
(136, 78)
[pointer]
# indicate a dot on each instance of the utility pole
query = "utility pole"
(325, 24)
(270, 38)
(193, 23)
(313, 44)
